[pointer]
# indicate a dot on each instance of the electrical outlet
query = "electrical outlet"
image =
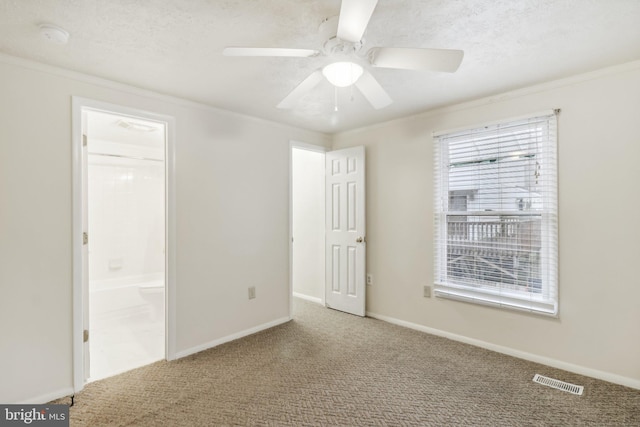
(369, 279)
(427, 291)
(252, 292)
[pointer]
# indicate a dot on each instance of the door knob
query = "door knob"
(359, 240)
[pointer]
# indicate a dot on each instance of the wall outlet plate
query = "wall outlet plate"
(252, 292)
(427, 291)
(369, 279)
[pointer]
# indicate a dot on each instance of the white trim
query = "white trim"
(456, 106)
(134, 90)
(554, 363)
(309, 298)
(45, 398)
(497, 299)
(78, 104)
(544, 113)
(505, 96)
(232, 337)
(76, 233)
(517, 93)
(171, 238)
(303, 146)
(308, 147)
(290, 294)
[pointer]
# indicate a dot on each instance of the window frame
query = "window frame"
(544, 303)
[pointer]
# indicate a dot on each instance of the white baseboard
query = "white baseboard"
(228, 338)
(577, 369)
(308, 298)
(45, 398)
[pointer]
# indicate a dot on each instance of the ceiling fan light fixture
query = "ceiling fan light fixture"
(342, 74)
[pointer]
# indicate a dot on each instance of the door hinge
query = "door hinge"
(85, 335)
(85, 238)
(84, 140)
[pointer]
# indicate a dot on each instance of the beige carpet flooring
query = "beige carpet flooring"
(327, 368)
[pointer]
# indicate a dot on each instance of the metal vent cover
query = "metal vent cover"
(557, 384)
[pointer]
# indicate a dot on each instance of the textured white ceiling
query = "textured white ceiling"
(175, 47)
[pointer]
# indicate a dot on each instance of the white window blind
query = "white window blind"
(496, 223)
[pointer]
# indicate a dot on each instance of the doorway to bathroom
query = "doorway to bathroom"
(122, 187)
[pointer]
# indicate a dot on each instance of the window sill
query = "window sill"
(535, 306)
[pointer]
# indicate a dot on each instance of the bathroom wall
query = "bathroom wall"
(126, 215)
(126, 212)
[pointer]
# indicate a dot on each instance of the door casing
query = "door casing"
(295, 144)
(80, 273)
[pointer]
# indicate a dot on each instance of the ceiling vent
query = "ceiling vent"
(135, 126)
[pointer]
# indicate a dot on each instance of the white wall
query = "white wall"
(597, 332)
(308, 223)
(232, 196)
(232, 212)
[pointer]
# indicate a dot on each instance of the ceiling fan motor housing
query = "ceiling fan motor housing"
(331, 44)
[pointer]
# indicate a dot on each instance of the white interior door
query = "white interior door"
(345, 231)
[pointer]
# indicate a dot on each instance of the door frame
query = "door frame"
(79, 105)
(301, 146)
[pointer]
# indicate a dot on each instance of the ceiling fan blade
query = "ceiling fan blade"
(269, 51)
(294, 96)
(372, 90)
(354, 18)
(447, 60)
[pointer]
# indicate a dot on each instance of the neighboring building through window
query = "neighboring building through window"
(496, 214)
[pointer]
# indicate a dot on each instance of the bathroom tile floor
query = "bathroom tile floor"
(125, 339)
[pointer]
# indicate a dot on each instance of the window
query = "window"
(496, 220)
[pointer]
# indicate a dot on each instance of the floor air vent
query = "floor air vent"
(560, 385)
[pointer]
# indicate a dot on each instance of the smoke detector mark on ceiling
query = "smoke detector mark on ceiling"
(54, 34)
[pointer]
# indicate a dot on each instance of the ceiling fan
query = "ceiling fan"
(343, 43)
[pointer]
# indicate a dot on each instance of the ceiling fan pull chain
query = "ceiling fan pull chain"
(335, 98)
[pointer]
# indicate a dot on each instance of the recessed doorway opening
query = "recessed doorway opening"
(327, 227)
(123, 225)
(126, 225)
(308, 223)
